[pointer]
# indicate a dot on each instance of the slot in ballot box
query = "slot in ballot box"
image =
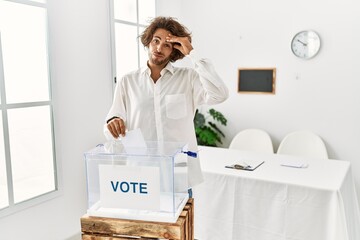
(138, 183)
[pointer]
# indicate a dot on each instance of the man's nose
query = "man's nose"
(159, 47)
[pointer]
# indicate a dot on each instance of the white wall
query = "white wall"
(232, 34)
(325, 98)
(82, 93)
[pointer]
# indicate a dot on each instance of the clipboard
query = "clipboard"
(245, 166)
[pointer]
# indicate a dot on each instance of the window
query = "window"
(129, 18)
(27, 154)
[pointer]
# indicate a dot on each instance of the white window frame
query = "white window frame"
(16, 207)
(112, 36)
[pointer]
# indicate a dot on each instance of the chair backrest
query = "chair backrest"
(303, 143)
(252, 140)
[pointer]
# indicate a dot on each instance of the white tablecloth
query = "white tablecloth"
(274, 202)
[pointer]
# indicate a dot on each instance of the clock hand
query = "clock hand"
(305, 44)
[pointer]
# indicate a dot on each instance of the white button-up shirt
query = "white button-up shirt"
(164, 111)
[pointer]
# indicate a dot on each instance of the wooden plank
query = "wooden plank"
(189, 214)
(99, 228)
(102, 237)
(110, 226)
(191, 205)
(185, 215)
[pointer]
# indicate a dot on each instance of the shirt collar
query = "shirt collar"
(169, 67)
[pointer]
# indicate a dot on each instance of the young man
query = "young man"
(161, 99)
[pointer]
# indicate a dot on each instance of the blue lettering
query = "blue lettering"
(143, 188)
(134, 186)
(127, 187)
(114, 187)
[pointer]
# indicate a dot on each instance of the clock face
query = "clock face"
(305, 44)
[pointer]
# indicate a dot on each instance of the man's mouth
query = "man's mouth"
(157, 54)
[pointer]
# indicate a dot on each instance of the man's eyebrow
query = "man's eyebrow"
(157, 37)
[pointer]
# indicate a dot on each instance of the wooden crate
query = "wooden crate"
(100, 228)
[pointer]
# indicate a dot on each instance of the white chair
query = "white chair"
(303, 143)
(252, 140)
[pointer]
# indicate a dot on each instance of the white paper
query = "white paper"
(129, 187)
(134, 142)
(134, 139)
(293, 163)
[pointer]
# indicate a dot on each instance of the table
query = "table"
(274, 202)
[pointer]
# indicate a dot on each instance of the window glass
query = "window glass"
(146, 11)
(27, 159)
(31, 150)
(126, 48)
(130, 18)
(4, 202)
(125, 10)
(23, 38)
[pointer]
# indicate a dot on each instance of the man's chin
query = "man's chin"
(159, 61)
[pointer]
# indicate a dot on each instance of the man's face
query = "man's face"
(159, 49)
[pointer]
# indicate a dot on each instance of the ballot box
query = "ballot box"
(146, 183)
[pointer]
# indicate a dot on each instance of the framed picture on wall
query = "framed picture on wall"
(256, 80)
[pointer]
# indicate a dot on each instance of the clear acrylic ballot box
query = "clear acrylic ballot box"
(147, 183)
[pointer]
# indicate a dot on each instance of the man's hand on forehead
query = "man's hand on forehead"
(183, 44)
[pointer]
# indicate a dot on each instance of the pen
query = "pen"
(239, 166)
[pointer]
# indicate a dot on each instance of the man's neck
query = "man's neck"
(155, 70)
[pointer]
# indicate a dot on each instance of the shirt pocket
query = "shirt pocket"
(175, 106)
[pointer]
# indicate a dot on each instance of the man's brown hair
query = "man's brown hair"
(169, 24)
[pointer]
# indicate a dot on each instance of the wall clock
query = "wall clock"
(306, 44)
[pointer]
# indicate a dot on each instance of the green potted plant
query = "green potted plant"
(207, 132)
